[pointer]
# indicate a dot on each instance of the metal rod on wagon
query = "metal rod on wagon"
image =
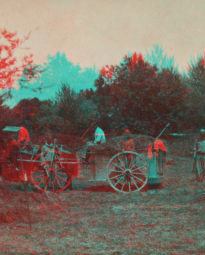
(163, 131)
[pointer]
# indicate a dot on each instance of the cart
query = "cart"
(51, 168)
(48, 167)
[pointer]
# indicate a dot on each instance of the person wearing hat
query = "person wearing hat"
(127, 144)
(199, 156)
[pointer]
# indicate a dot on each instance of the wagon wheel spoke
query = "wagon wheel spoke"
(116, 171)
(117, 182)
(59, 169)
(126, 165)
(137, 167)
(47, 184)
(39, 176)
(58, 182)
(53, 184)
(129, 187)
(131, 161)
(61, 177)
(135, 163)
(138, 173)
(116, 176)
(122, 186)
(137, 178)
(41, 179)
(115, 164)
(133, 180)
(39, 183)
(121, 163)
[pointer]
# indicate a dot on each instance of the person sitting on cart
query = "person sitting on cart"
(90, 152)
(99, 136)
(199, 156)
(24, 138)
(12, 151)
(48, 145)
(127, 144)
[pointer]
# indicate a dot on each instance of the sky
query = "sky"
(100, 32)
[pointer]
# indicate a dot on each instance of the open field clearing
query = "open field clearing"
(98, 220)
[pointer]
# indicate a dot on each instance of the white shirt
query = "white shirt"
(99, 136)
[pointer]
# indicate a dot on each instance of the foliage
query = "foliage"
(196, 76)
(139, 96)
(76, 108)
(45, 79)
(135, 94)
(11, 67)
(157, 57)
(70, 113)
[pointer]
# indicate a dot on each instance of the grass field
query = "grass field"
(98, 220)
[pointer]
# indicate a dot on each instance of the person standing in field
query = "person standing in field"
(199, 156)
(160, 152)
(156, 159)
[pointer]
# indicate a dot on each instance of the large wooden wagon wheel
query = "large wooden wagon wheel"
(127, 171)
(49, 172)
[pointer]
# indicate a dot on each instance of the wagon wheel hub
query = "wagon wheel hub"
(127, 172)
(51, 169)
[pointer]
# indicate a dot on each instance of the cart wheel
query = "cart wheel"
(49, 173)
(127, 171)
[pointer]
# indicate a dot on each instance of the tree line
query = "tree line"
(141, 94)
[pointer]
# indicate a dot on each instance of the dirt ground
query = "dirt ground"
(98, 220)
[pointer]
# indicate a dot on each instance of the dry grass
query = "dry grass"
(162, 221)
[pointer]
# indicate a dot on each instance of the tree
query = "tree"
(45, 79)
(11, 67)
(157, 57)
(75, 108)
(196, 76)
(140, 97)
(194, 80)
(131, 82)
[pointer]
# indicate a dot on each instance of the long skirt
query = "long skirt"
(153, 176)
(161, 159)
(200, 166)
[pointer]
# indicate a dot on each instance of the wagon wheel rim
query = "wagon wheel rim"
(127, 172)
(50, 175)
